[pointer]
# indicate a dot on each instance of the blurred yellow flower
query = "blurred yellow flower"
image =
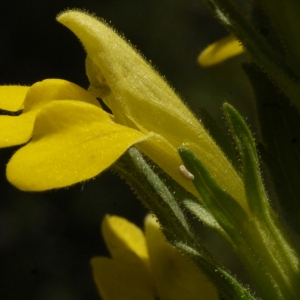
(145, 266)
(75, 140)
(220, 51)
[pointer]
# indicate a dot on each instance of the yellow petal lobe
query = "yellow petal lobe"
(124, 239)
(12, 97)
(175, 276)
(127, 275)
(16, 130)
(72, 141)
(220, 51)
(48, 90)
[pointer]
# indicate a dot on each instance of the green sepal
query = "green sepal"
(280, 130)
(160, 199)
(201, 214)
(229, 287)
(226, 210)
(150, 189)
(255, 192)
(280, 261)
(153, 189)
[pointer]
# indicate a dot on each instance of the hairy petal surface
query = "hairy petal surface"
(72, 141)
(137, 90)
(141, 99)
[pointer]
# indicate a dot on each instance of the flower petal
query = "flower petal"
(127, 275)
(16, 130)
(175, 276)
(220, 51)
(48, 90)
(124, 239)
(12, 97)
(140, 98)
(121, 280)
(167, 157)
(73, 141)
(137, 91)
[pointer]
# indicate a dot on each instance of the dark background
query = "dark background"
(47, 239)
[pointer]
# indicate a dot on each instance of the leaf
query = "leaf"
(266, 236)
(226, 210)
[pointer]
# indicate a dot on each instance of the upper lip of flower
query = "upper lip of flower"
(140, 97)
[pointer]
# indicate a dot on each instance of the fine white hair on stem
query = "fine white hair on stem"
(185, 173)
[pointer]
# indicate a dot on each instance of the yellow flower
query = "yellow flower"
(64, 122)
(220, 51)
(145, 266)
(76, 140)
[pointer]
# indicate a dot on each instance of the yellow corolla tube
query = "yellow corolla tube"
(140, 98)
